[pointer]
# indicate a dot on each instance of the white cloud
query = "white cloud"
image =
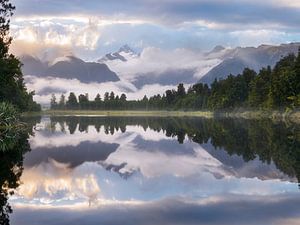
(61, 183)
(256, 37)
(157, 61)
(59, 86)
(48, 33)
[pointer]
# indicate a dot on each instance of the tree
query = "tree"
(12, 86)
(98, 98)
(53, 103)
(106, 96)
(112, 96)
(97, 102)
(281, 85)
(170, 96)
(123, 97)
(62, 102)
(181, 90)
(259, 88)
(72, 102)
(294, 83)
(83, 101)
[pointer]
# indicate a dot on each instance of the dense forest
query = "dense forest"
(271, 88)
(12, 86)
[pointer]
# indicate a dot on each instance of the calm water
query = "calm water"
(99, 170)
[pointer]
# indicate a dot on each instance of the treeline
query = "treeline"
(277, 88)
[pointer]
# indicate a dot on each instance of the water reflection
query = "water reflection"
(262, 140)
(12, 149)
(103, 166)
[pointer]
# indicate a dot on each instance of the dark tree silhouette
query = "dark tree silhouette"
(12, 86)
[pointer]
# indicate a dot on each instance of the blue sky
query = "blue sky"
(95, 27)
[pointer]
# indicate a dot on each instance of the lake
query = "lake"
(152, 171)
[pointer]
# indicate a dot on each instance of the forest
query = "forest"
(270, 88)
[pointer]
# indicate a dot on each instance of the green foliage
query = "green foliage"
(12, 87)
(8, 114)
(11, 167)
(10, 126)
(282, 83)
(72, 102)
(232, 92)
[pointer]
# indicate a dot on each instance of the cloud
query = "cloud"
(65, 86)
(256, 37)
(94, 28)
(173, 12)
(157, 61)
(39, 37)
(60, 183)
(171, 42)
(233, 209)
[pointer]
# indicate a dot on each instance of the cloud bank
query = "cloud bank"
(93, 28)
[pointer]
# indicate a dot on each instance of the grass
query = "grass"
(291, 116)
(8, 115)
(118, 113)
(276, 115)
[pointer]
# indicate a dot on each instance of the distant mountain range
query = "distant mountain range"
(233, 61)
(68, 67)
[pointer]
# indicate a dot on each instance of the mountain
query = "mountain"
(68, 67)
(71, 67)
(124, 54)
(158, 67)
(235, 60)
(32, 65)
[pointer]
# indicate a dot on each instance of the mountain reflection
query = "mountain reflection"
(268, 141)
(131, 162)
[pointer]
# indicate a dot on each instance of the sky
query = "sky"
(91, 28)
(168, 36)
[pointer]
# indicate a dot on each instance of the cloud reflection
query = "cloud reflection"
(232, 209)
(85, 164)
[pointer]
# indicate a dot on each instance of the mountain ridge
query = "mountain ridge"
(237, 59)
(68, 67)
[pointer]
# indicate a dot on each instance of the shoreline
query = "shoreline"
(276, 115)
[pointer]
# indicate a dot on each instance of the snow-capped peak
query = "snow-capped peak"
(124, 54)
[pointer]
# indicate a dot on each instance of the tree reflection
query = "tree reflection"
(12, 148)
(267, 140)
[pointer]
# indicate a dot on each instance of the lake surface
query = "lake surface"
(127, 170)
